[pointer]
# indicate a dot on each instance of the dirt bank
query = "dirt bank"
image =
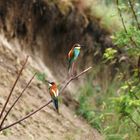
(46, 30)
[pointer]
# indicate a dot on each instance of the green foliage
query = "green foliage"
(108, 111)
(110, 53)
(125, 103)
(115, 112)
(41, 76)
(86, 108)
(126, 40)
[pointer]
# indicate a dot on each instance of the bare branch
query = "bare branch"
(32, 113)
(4, 118)
(27, 116)
(137, 125)
(72, 78)
(123, 23)
(135, 16)
(11, 91)
(117, 2)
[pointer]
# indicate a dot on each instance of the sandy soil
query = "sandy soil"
(45, 125)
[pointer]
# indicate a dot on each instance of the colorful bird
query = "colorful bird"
(54, 94)
(73, 54)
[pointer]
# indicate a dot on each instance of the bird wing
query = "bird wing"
(57, 92)
(70, 54)
(70, 57)
(54, 95)
(54, 92)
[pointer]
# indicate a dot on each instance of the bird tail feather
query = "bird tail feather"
(55, 102)
(69, 66)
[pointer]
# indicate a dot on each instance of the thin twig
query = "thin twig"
(134, 95)
(11, 91)
(136, 19)
(32, 113)
(138, 111)
(72, 78)
(123, 23)
(125, 29)
(137, 125)
(27, 116)
(131, 39)
(4, 118)
(130, 87)
(117, 2)
(135, 16)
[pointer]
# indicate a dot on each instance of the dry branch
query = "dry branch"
(4, 118)
(46, 104)
(27, 116)
(72, 78)
(11, 91)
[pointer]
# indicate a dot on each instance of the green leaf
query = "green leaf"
(41, 76)
(110, 53)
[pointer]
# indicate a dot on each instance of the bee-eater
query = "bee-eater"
(73, 54)
(54, 94)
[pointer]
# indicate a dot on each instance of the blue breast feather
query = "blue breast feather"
(76, 53)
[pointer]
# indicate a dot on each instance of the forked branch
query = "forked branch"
(46, 104)
(73, 78)
(27, 116)
(4, 118)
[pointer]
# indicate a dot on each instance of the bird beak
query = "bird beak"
(82, 46)
(48, 81)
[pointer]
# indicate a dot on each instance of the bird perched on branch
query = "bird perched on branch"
(73, 55)
(54, 94)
